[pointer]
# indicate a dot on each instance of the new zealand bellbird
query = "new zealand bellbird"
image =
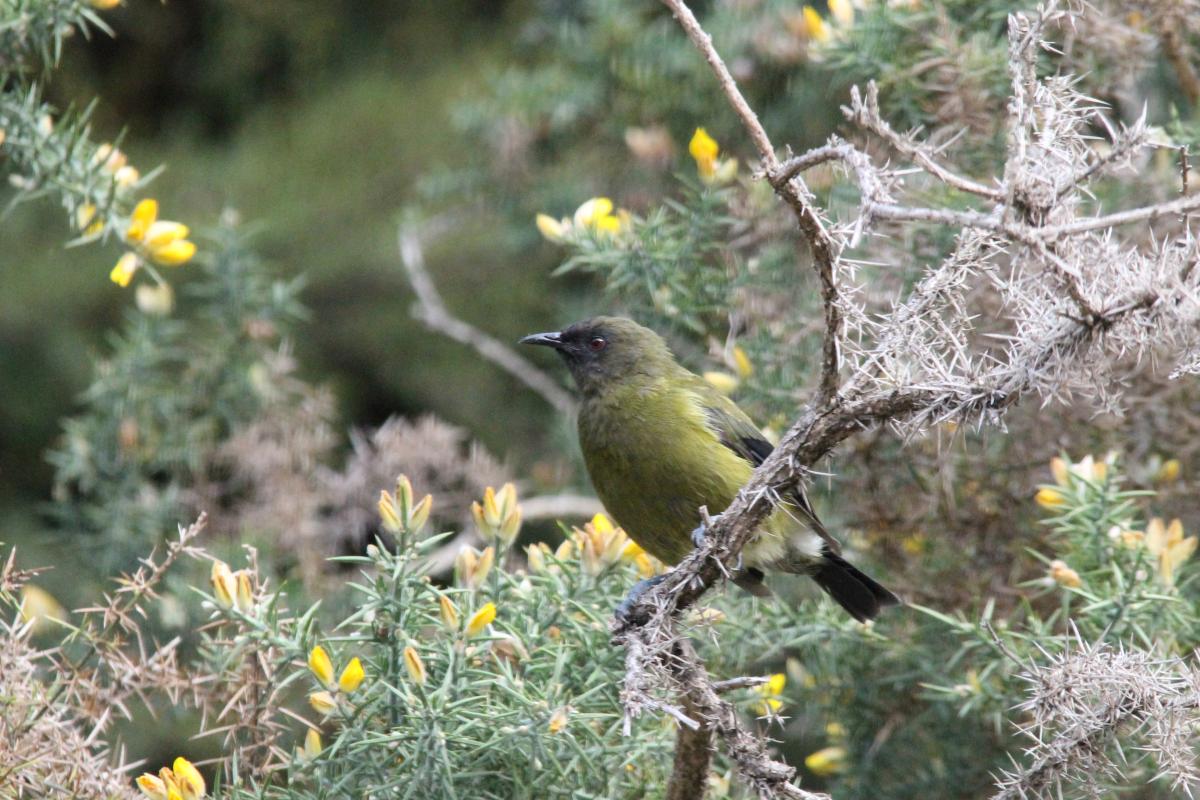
(660, 441)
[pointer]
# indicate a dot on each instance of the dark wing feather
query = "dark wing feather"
(739, 433)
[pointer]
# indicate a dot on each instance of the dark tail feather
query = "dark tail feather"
(861, 595)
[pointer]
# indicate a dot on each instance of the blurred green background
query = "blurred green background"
(314, 122)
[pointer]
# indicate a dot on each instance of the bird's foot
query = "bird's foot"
(640, 588)
(700, 532)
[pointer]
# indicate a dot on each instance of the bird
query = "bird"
(660, 441)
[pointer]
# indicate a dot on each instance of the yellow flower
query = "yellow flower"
(319, 663)
(704, 150)
(723, 382)
(225, 585)
(312, 744)
(826, 761)
(162, 241)
(188, 778)
(352, 676)
(815, 27)
(843, 12)
(1088, 468)
(741, 362)
(123, 272)
(152, 786)
(600, 544)
(1048, 497)
(398, 512)
(592, 210)
(448, 613)
(323, 702)
(109, 157)
(472, 567)
(104, 5)
(481, 619)
(39, 607)
(414, 665)
(558, 720)
(144, 215)
(1064, 575)
(551, 229)
(835, 730)
(1168, 544)
(499, 517)
(596, 215)
(771, 693)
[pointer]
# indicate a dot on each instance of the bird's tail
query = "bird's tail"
(860, 594)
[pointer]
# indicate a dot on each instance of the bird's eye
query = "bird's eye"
(598, 343)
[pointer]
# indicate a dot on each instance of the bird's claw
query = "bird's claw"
(623, 611)
(700, 532)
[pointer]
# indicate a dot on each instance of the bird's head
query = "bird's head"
(602, 351)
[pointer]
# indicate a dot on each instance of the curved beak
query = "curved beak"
(553, 339)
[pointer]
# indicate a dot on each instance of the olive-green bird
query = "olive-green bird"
(660, 441)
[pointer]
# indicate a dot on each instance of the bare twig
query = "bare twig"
(430, 310)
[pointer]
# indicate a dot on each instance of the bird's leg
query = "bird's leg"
(635, 594)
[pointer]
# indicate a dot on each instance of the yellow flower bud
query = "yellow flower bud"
(152, 786)
(448, 613)
(388, 512)
(1050, 498)
(473, 567)
(558, 720)
(224, 584)
(104, 5)
(323, 702)
(414, 665)
(123, 272)
(704, 149)
(420, 514)
(551, 229)
(319, 663)
(481, 619)
(1064, 575)
(127, 176)
(245, 591)
(188, 778)
(826, 761)
(352, 676)
(157, 299)
(312, 744)
(741, 362)
(535, 556)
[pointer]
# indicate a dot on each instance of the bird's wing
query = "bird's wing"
(739, 433)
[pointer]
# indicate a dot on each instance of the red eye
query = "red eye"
(598, 343)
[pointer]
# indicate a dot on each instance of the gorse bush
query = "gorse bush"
(459, 644)
(503, 683)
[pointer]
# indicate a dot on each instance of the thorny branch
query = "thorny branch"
(1077, 299)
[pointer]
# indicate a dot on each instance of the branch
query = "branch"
(825, 251)
(431, 311)
(865, 113)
